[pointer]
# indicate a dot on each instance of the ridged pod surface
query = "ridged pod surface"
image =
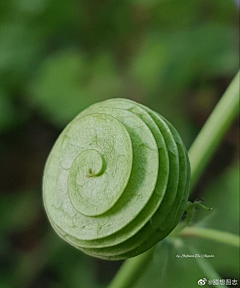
(117, 180)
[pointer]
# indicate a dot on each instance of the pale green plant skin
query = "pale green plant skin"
(117, 180)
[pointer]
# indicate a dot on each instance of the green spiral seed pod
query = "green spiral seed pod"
(117, 180)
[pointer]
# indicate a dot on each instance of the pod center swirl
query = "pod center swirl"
(101, 170)
(90, 164)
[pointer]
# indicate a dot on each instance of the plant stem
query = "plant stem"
(190, 209)
(200, 153)
(211, 234)
(131, 270)
(190, 215)
(207, 268)
(214, 129)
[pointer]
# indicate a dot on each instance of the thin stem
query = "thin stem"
(207, 268)
(190, 215)
(211, 234)
(200, 153)
(190, 209)
(214, 129)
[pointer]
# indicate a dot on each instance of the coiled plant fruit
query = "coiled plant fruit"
(117, 180)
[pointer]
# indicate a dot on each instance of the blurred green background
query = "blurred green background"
(57, 58)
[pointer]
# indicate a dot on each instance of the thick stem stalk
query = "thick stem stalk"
(214, 129)
(131, 270)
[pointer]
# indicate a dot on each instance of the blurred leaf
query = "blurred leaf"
(32, 7)
(173, 14)
(105, 82)
(18, 50)
(68, 82)
(170, 13)
(146, 3)
(169, 62)
(170, 270)
(148, 65)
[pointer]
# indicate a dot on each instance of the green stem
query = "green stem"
(200, 153)
(131, 270)
(190, 215)
(190, 209)
(214, 129)
(207, 268)
(211, 234)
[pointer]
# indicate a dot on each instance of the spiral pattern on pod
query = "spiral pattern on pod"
(117, 180)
